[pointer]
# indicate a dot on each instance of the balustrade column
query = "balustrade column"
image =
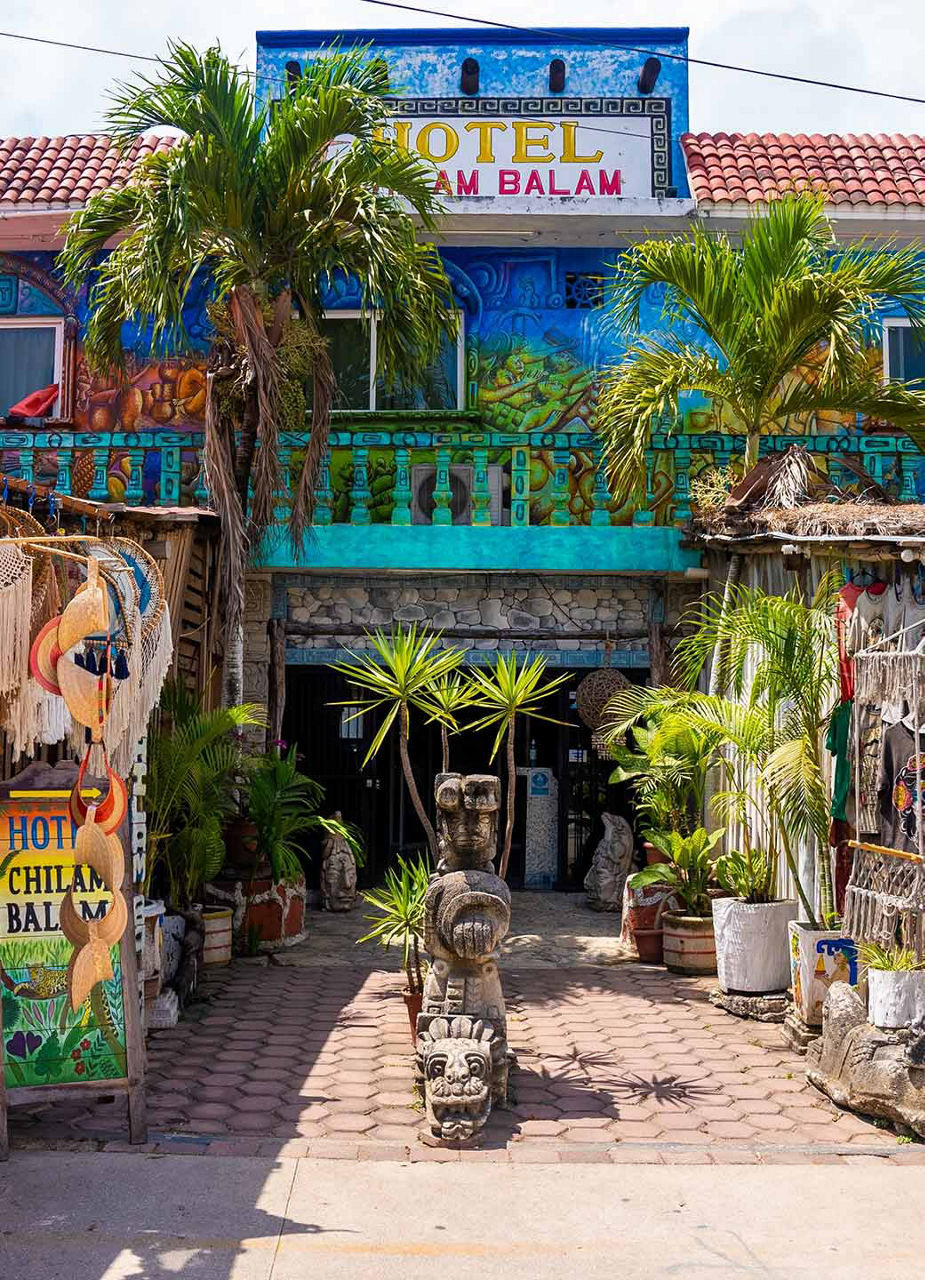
(401, 491)
(99, 490)
(324, 494)
(682, 486)
(645, 515)
(481, 493)
(600, 512)
(560, 493)
(359, 494)
(443, 494)
(65, 457)
(520, 486)
(134, 490)
(170, 476)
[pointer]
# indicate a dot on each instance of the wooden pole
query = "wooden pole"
(276, 690)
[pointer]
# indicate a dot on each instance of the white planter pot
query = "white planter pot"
(818, 957)
(895, 999)
(216, 926)
(752, 954)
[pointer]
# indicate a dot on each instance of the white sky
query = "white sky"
(873, 43)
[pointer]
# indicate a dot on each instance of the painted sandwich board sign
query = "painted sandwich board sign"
(44, 1045)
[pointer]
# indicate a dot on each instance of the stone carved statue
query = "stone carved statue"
(338, 873)
(467, 913)
(457, 1059)
(610, 865)
(875, 1072)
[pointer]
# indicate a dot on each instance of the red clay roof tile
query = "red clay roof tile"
(65, 171)
(853, 169)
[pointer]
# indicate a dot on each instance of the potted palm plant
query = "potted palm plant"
(399, 920)
(751, 925)
(687, 872)
(895, 985)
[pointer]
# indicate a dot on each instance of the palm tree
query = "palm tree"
(411, 665)
(270, 202)
(448, 696)
(503, 693)
(783, 319)
(781, 670)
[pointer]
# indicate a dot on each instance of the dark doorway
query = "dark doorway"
(333, 741)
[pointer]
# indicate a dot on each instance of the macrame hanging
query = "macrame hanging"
(15, 617)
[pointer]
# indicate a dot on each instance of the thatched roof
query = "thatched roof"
(789, 494)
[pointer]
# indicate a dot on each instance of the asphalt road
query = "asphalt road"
(115, 1217)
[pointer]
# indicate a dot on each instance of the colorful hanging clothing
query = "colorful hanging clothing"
(837, 743)
(901, 778)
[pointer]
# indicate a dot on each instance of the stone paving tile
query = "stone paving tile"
(616, 1061)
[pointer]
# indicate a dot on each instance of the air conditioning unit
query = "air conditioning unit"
(423, 482)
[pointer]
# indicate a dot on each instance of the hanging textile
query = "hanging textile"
(15, 617)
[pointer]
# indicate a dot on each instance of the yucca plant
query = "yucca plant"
(399, 905)
(781, 318)
(411, 665)
(504, 692)
(449, 696)
(688, 871)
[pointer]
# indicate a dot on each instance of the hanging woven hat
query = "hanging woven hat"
(111, 810)
(44, 656)
(87, 613)
(595, 691)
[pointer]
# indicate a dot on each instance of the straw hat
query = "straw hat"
(111, 811)
(88, 696)
(44, 655)
(104, 853)
(87, 613)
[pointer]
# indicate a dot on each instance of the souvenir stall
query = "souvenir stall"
(85, 645)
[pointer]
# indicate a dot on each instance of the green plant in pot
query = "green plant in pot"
(666, 768)
(687, 873)
(750, 925)
(282, 805)
(895, 985)
(399, 921)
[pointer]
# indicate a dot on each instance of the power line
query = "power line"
(84, 48)
(575, 38)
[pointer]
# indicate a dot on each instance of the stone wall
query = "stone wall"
(565, 613)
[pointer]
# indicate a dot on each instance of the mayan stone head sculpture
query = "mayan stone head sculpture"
(338, 873)
(456, 1057)
(467, 820)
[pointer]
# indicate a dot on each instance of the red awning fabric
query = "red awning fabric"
(36, 404)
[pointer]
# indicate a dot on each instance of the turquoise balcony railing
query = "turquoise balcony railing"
(438, 490)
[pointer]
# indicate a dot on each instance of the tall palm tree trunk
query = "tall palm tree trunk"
(404, 724)
(511, 797)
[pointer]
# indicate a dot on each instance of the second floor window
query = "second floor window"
(903, 352)
(440, 385)
(30, 362)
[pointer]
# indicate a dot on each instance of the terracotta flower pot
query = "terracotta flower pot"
(643, 917)
(241, 845)
(413, 1001)
(689, 944)
(653, 855)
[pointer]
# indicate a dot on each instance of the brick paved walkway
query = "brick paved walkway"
(615, 1061)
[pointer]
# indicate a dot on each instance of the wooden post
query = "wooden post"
(276, 686)
(134, 1035)
(4, 1128)
(658, 646)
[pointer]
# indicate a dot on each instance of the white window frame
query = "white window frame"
(41, 322)
(891, 322)
(372, 319)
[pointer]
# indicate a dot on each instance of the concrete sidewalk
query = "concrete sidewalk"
(135, 1217)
